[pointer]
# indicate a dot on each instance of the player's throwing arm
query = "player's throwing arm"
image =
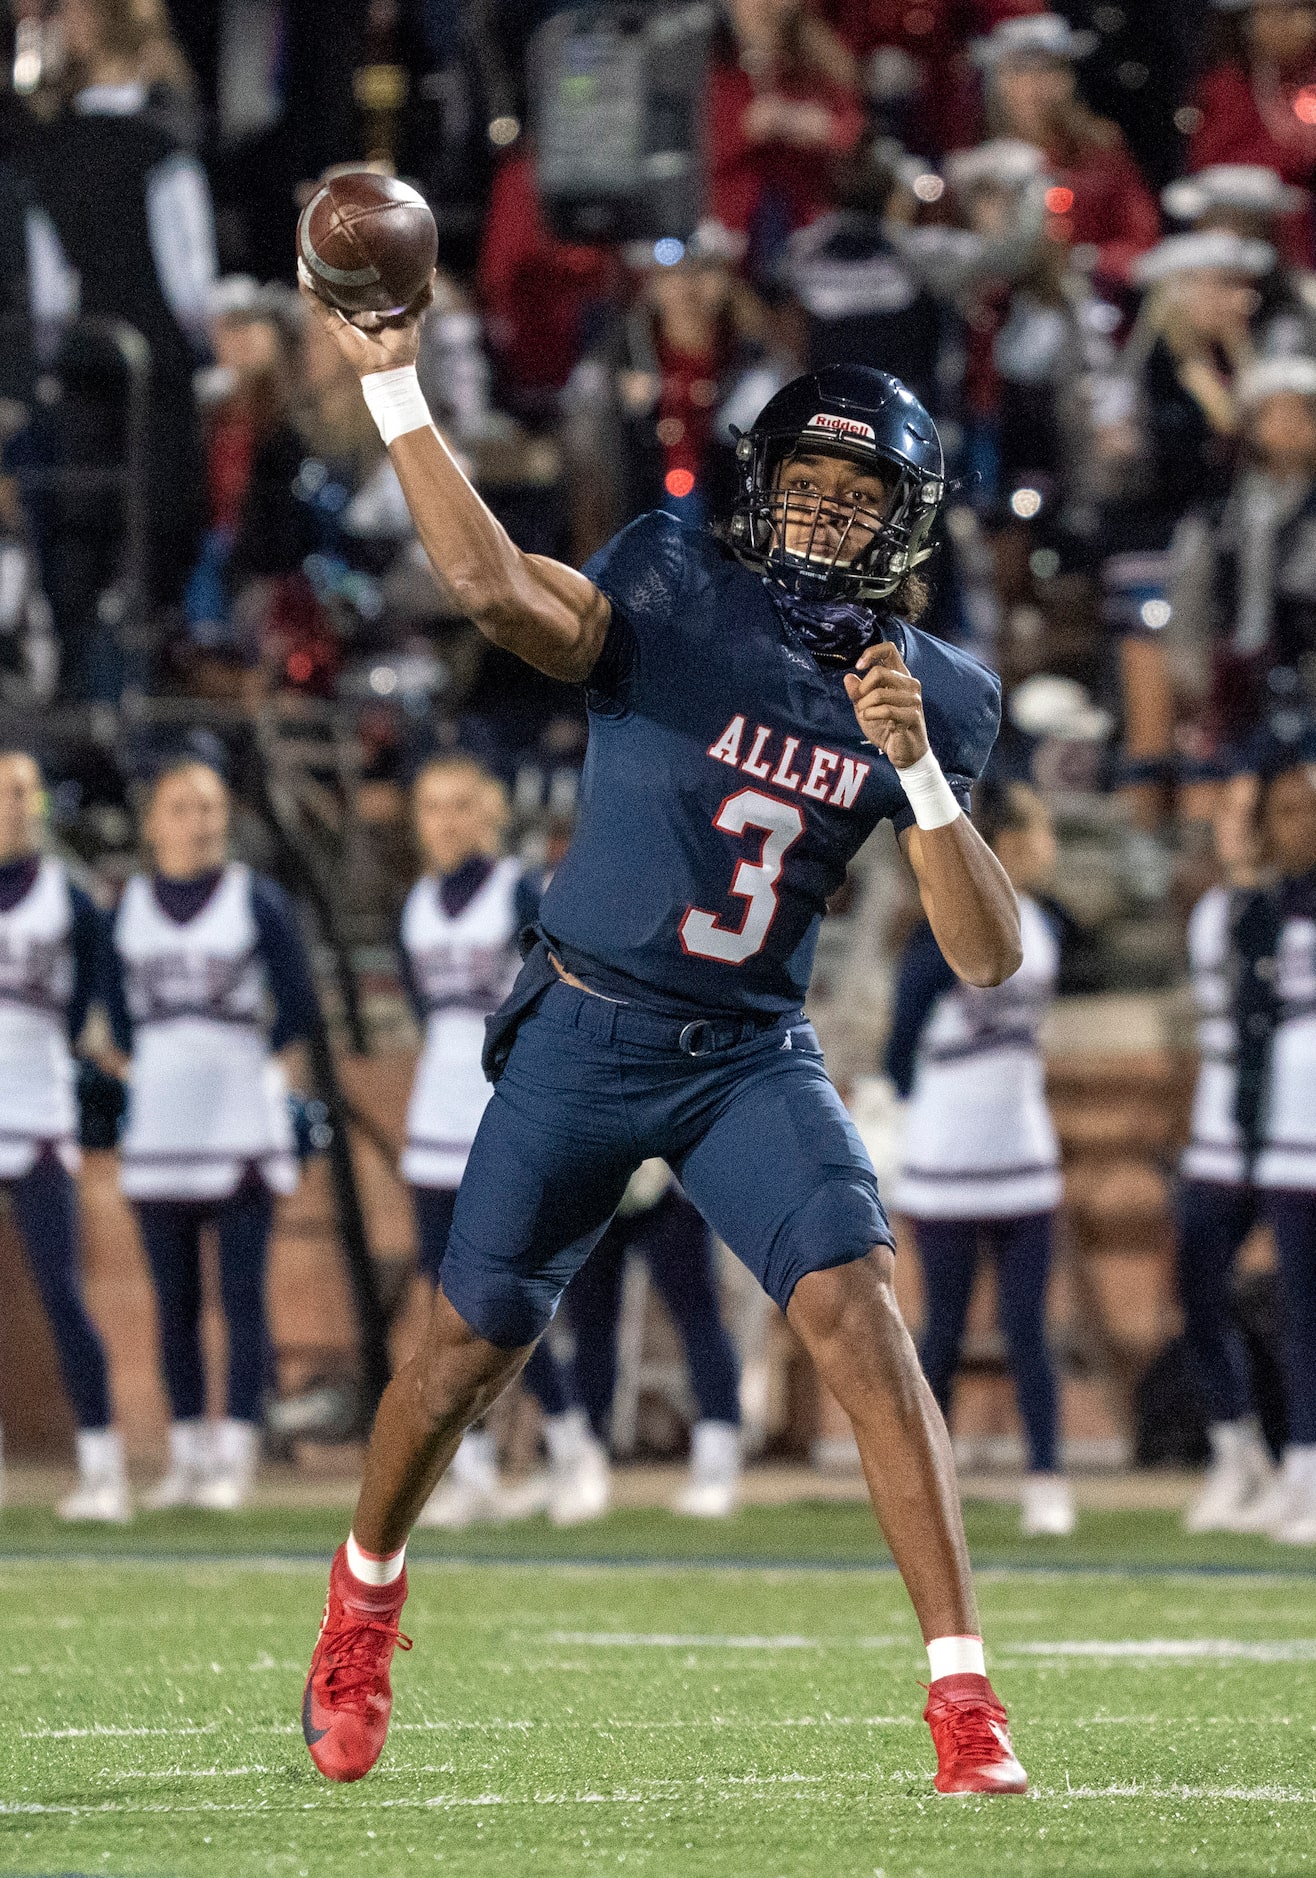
(544, 612)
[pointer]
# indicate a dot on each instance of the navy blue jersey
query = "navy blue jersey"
(727, 784)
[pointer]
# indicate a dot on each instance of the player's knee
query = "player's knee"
(458, 1371)
(840, 1224)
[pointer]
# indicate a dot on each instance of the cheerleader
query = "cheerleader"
(209, 983)
(457, 957)
(1281, 1068)
(1218, 1203)
(657, 1222)
(982, 1164)
(50, 944)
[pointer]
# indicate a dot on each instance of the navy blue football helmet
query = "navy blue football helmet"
(865, 415)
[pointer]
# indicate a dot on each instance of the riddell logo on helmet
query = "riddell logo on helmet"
(842, 426)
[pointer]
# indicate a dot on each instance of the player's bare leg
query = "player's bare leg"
(453, 1377)
(851, 1325)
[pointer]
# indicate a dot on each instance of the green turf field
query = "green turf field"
(730, 1707)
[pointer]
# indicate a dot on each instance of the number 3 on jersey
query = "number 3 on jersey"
(755, 882)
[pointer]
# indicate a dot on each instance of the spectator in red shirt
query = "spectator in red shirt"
(650, 408)
(536, 292)
(918, 79)
(1258, 104)
(248, 393)
(783, 98)
(1098, 199)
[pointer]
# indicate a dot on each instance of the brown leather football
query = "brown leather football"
(366, 243)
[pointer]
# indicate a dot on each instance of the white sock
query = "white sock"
(955, 1656)
(369, 1569)
(1233, 1441)
(715, 1451)
(189, 1444)
(236, 1445)
(100, 1455)
(1300, 1466)
(567, 1436)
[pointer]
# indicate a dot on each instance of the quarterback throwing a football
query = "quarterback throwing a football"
(759, 700)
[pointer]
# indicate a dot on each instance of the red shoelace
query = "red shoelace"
(972, 1727)
(354, 1670)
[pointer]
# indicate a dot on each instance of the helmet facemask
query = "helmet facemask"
(805, 543)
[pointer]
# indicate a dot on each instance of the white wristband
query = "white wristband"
(930, 795)
(396, 402)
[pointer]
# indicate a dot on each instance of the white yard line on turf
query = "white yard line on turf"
(499, 1726)
(668, 1640)
(1176, 1649)
(1138, 1790)
(99, 1729)
(676, 1640)
(801, 1786)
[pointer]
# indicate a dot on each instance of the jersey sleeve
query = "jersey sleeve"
(86, 939)
(525, 902)
(407, 972)
(922, 978)
(644, 573)
(962, 710)
(113, 986)
(279, 938)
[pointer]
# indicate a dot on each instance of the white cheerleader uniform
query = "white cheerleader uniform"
(38, 1111)
(1287, 1158)
(208, 1102)
(1215, 1151)
(979, 1140)
(462, 967)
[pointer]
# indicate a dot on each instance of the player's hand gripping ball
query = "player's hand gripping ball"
(366, 246)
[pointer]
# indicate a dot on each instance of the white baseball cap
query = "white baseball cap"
(1035, 36)
(1249, 187)
(1008, 162)
(1216, 248)
(1270, 378)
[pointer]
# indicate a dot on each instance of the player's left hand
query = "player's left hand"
(888, 704)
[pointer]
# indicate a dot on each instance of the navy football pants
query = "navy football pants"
(1213, 1222)
(950, 1250)
(543, 1375)
(677, 1247)
(755, 1133)
(45, 1207)
(1293, 1217)
(171, 1233)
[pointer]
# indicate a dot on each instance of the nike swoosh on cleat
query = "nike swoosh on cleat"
(310, 1732)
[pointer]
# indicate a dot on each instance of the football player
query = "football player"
(758, 703)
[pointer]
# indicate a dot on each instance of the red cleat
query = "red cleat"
(971, 1734)
(347, 1700)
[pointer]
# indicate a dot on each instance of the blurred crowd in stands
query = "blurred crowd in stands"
(1085, 238)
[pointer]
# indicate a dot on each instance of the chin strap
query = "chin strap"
(835, 630)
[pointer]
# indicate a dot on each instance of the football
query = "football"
(366, 244)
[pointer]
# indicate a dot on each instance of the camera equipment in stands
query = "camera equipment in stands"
(617, 113)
